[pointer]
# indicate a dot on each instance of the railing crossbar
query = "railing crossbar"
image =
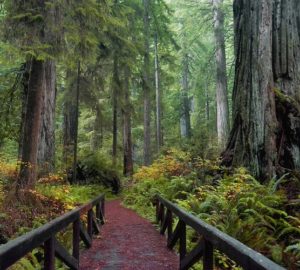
(213, 238)
(44, 236)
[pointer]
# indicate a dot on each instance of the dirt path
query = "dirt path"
(128, 242)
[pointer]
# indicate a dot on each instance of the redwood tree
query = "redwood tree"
(221, 80)
(32, 124)
(266, 124)
(146, 85)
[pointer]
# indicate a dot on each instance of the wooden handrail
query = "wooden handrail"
(44, 236)
(211, 238)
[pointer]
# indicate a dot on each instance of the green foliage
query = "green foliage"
(238, 205)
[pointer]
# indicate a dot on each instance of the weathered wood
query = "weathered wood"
(19, 247)
(157, 205)
(87, 240)
(193, 257)
(208, 256)
(90, 222)
(98, 210)
(176, 235)
(76, 238)
(96, 228)
(49, 251)
(165, 222)
(65, 257)
(103, 209)
(161, 213)
(182, 242)
(170, 225)
(238, 252)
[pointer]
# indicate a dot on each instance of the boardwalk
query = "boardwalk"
(128, 242)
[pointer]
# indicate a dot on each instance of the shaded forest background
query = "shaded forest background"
(197, 100)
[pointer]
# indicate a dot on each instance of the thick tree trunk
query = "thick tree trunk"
(159, 142)
(266, 127)
(286, 73)
(127, 138)
(185, 119)
(46, 150)
(221, 80)
(32, 124)
(25, 82)
(146, 86)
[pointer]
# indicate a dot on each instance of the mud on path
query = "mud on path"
(128, 242)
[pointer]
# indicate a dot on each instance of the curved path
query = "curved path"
(128, 242)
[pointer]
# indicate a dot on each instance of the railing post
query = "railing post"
(170, 225)
(98, 211)
(208, 256)
(90, 222)
(103, 208)
(49, 253)
(157, 204)
(182, 241)
(162, 213)
(76, 238)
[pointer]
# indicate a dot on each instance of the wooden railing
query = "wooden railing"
(211, 238)
(44, 237)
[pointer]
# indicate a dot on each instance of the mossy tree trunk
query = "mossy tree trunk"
(266, 126)
(32, 125)
(46, 150)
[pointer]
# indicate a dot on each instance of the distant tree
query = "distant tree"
(221, 80)
(147, 85)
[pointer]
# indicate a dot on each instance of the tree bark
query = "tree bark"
(46, 150)
(127, 138)
(159, 142)
(266, 126)
(185, 119)
(25, 82)
(221, 80)
(32, 124)
(115, 90)
(146, 86)
(69, 123)
(97, 139)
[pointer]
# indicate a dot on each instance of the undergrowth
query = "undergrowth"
(51, 198)
(258, 215)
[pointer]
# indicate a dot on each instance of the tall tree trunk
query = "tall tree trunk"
(266, 127)
(159, 142)
(25, 82)
(46, 150)
(75, 155)
(221, 81)
(32, 124)
(97, 138)
(146, 86)
(207, 111)
(115, 90)
(127, 138)
(185, 119)
(70, 120)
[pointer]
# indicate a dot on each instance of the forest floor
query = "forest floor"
(128, 242)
